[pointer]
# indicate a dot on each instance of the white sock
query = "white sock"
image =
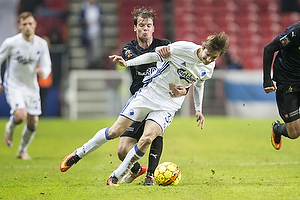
(132, 157)
(99, 138)
(11, 125)
(27, 137)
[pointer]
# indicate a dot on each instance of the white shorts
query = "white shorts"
(139, 108)
(17, 99)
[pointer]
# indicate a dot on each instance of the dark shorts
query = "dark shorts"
(288, 101)
(135, 130)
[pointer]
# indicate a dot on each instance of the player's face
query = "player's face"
(27, 26)
(144, 28)
(207, 57)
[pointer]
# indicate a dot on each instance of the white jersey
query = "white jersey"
(23, 58)
(182, 68)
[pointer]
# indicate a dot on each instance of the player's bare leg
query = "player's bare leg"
(151, 131)
(28, 134)
(18, 117)
(101, 137)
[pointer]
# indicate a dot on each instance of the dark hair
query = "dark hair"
(217, 42)
(25, 15)
(143, 13)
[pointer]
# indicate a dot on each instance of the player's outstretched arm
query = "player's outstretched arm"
(164, 51)
(200, 118)
(119, 59)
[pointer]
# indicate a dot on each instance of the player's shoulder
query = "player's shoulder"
(39, 39)
(130, 44)
(185, 45)
(13, 39)
(161, 42)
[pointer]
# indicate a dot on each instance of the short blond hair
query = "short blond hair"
(25, 15)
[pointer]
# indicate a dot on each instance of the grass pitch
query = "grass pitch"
(230, 159)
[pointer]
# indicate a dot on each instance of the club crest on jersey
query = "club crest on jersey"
(202, 73)
(131, 112)
(128, 53)
(185, 75)
(284, 40)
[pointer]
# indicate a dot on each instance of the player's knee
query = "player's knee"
(20, 116)
(114, 133)
(146, 141)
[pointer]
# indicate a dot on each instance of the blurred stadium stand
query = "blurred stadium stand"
(251, 24)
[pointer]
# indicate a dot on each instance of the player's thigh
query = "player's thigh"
(119, 127)
(15, 99)
(151, 131)
(33, 104)
(288, 102)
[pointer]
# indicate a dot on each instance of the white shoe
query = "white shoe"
(24, 155)
(129, 177)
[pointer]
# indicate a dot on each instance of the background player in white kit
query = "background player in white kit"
(24, 52)
(187, 64)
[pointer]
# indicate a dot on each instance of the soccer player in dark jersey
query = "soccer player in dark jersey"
(143, 20)
(286, 76)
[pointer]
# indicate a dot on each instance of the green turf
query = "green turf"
(230, 159)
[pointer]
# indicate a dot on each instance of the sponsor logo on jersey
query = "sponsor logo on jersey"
(24, 61)
(185, 75)
(148, 72)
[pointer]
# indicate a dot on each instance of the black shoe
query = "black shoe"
(69, 161)
(275, 136)
(149, 180)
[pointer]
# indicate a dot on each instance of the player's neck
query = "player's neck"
(28, 38)
(145, 43)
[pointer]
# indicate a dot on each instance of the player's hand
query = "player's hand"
(39, 72)
(200, 118)
(118, 59)
(177, 91)
(164, 51)
(270, 89)
(1, 89)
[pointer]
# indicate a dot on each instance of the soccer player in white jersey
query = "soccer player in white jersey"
(24, 52)
(187, 64)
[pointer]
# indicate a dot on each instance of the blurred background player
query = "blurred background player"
(286, 74)
(24, 52)
(91, 18)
